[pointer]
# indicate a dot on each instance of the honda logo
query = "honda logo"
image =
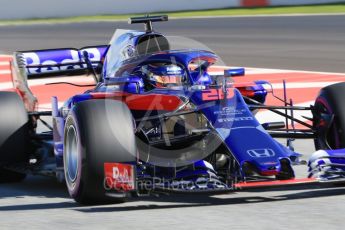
(259, 153)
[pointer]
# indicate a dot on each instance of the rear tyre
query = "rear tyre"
(96, 132)
(329, 117)
(14, 136)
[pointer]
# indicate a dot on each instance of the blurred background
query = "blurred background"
(18, 9)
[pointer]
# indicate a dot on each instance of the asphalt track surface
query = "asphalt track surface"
(305, 43)
(315, 43)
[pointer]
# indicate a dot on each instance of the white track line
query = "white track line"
(4, 63)
(249, 71)
(293, 71)
(6, 86)
(303, 85)
(42, 82)
(48, 106)
(5, 72)
(6, 56)
(255, 70)
(76, 79)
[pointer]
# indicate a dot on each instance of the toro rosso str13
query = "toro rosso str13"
(156, 120)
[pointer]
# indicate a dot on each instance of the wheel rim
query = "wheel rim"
(71, 157)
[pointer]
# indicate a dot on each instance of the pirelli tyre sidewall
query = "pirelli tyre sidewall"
(93, 132)
(14, 136)
(330, 102)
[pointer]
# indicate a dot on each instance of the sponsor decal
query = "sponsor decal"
(63, 56)
(230, 111)
(260, 153)
(119, 176)
(174, 70)
(232, 119)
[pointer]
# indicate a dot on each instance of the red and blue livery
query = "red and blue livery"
(158, 120)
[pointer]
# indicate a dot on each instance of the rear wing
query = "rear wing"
(52, 62)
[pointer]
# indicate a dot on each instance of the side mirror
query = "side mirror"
(266, 84)
(234, 72)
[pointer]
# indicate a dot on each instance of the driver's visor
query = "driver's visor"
(167, 79)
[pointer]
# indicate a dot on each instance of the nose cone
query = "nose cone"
(262, 168)
(269, 169)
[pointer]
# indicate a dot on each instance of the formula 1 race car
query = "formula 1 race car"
(157, 121)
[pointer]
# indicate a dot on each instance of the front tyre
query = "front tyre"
(329, 117)
(96, 132)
